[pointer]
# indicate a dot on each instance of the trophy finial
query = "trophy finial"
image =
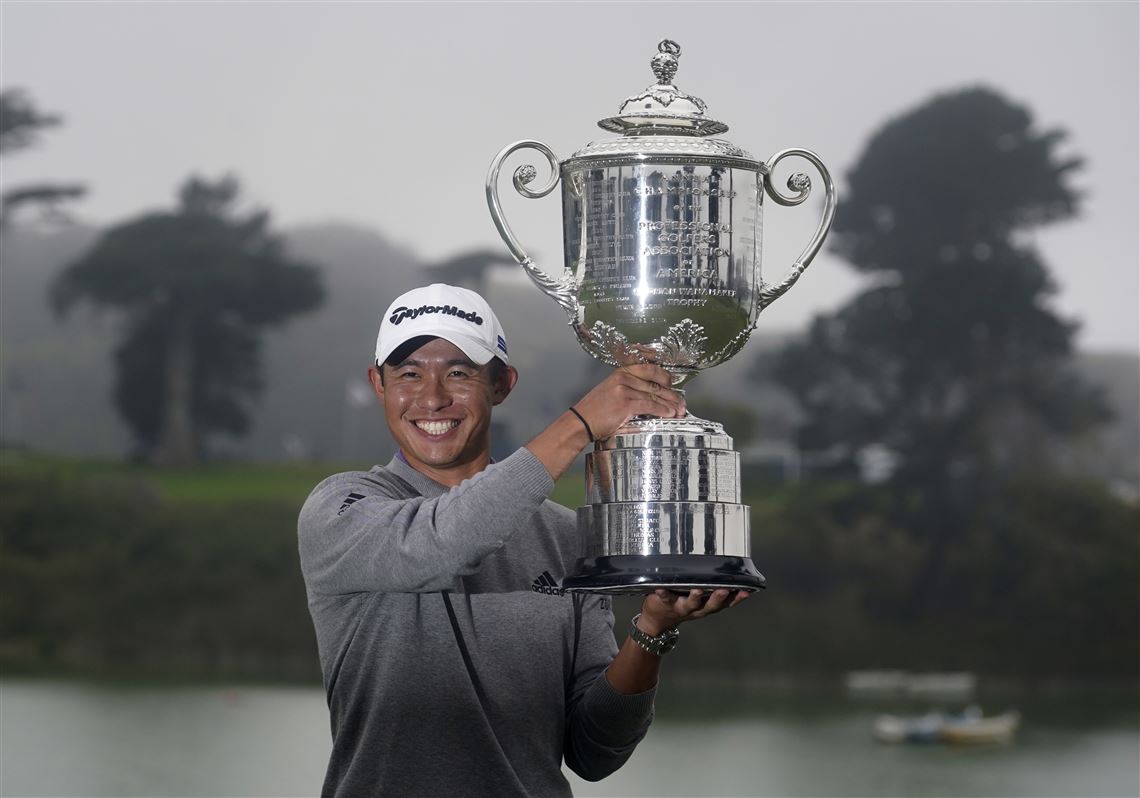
(663, 109)
(665, 62)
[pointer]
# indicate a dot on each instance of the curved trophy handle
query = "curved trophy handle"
(558, 290)
(801, 185)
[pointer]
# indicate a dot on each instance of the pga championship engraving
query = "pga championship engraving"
(662, 237)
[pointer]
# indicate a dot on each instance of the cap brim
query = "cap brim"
(472, 347)
(475, 349)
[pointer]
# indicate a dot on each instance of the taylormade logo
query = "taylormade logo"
(401, 313)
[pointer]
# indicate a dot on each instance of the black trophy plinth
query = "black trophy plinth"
(643, 573)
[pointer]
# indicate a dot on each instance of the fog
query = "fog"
(387, 115)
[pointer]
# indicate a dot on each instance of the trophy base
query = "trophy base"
(644, 573)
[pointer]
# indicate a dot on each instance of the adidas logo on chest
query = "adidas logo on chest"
(545, 583)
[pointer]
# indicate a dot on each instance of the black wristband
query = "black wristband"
(589, 431)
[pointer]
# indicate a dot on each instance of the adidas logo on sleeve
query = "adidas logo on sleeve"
(350, 500)
(545, 584)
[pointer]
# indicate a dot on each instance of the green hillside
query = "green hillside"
(113, 570)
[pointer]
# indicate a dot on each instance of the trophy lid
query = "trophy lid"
(663, 109)
(663, 124)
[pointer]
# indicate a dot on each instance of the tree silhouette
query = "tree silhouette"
(20, 126)
(953, 358)
(196, 285)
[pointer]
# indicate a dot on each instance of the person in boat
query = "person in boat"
(453, 662)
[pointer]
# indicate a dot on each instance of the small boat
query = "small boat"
(970, 727)
(898, 729)
(981, 730)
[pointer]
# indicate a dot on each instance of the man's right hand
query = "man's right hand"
(641, 390)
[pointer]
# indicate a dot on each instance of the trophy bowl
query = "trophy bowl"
(662, 233)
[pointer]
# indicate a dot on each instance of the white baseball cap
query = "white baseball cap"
(443, 311)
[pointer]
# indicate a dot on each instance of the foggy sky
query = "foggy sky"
(387, 115)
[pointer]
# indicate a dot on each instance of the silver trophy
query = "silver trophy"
(662, 230)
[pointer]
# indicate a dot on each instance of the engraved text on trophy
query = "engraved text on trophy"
(664, 256)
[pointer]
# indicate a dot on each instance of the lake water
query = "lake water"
(80, 739)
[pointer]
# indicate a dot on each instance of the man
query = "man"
(452, 662)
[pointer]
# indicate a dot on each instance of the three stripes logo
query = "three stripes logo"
(545, 584)
(350, 500)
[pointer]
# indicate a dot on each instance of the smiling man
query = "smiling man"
(453, 663)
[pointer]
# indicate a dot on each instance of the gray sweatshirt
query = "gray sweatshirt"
(452, 663)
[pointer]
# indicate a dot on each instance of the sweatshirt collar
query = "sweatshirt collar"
(425, 485)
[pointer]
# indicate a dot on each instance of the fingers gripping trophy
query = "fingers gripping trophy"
(662, 231)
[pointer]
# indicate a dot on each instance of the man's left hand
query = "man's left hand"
(664, 609)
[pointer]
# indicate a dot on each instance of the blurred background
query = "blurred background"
(206, 207)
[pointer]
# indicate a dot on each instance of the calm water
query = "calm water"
(77, 739)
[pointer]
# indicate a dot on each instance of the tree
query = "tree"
(952, 358)
(20, 126)
(196, 285)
